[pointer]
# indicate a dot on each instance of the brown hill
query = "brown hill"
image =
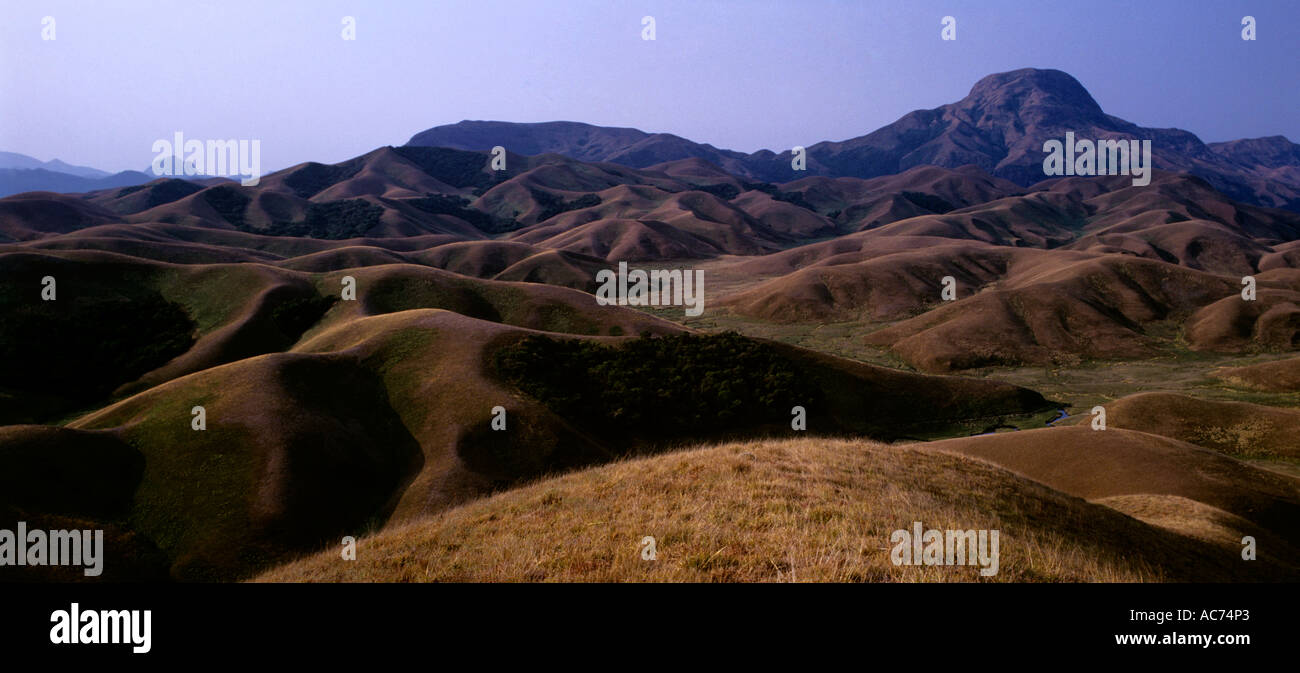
(1115, 463)
(555, 267)
(136, 198)
(795, 510)
(887, 285)
(1094, 308)
(624, 240)
(1237, 428)
(717, 224)
(1278, 376)
(1232, 324)
(37, 214)
(1197, 244)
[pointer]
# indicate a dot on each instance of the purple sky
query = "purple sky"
(741, 75)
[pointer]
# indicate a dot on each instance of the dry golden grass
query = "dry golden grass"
(1277, 376)
(1184, 515)
(790, 510)
(1094, 465)
(1236, 428)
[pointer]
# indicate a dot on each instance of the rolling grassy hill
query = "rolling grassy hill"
(779, 510)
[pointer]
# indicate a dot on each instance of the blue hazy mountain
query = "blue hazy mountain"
(1000, 126)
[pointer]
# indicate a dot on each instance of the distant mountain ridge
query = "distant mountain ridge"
(20, 173)
(999, 126)
(585, 142)
(19, 180)
(22, 161)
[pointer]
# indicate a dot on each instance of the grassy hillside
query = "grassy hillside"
(790, 510)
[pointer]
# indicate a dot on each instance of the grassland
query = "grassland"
(767, 511)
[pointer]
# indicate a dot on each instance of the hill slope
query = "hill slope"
(1157, 476)
(794, 510)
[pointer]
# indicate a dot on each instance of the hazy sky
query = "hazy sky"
(737, 74)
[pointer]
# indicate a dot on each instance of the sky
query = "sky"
(738, 74)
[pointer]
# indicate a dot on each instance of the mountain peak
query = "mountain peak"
(1031, 87)
(1000, 126)
(581, 141)
(1270, 151)
(24, 162)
